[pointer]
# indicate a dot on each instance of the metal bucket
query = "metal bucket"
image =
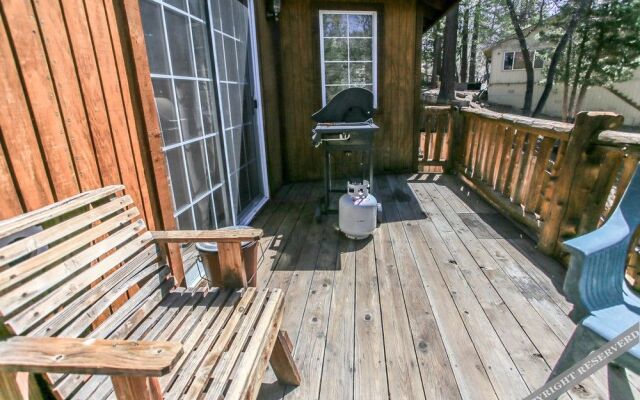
(211, 262)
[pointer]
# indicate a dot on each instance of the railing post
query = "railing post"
(457, 130)
(567, 194)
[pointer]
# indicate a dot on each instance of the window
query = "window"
(515, 60)
(348, 52)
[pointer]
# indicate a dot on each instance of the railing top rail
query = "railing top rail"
(555, 129)
(620, 139)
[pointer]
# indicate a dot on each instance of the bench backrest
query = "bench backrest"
(63, 266)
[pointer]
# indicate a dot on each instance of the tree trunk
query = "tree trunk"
(553, 65)
(447, 88)
(565, 79)
(587, 76)
(576, 75)
(464, 47)
(474, 43)
(437, 57)
(528, 65)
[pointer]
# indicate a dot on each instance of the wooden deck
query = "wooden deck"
(448, 300)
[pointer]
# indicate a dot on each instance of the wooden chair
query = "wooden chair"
(604, 305)
(88, 305)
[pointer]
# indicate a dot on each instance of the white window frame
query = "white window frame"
(504, 56)
(374, 50)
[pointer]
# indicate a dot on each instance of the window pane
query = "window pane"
(336, 73)
(154, 37)
(201, 49)
(335, 50)
(508, 60)
(177, 3)
(539, 61)
(334, 25)
(209, 113)
(231, 65)
(188, 109)
(194, 153)
(218, 200)
(163, 94)
(196, 7)
(177, 177)
(333, 90)
(204, 214)
(360, 25)
(179, 43)
(185, 220)
(226, 16)
(360, 50)
(361, 73)
(235, 102)
(518, 61)
(216, 163)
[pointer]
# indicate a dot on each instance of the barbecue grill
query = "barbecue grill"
(345, 124)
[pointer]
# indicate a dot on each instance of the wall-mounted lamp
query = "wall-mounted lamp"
(273, 9)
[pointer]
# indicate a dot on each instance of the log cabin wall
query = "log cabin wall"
(296, 35)
(68, 120)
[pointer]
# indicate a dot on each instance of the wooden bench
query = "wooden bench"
(89, 310)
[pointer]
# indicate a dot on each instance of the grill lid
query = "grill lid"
(350, 105)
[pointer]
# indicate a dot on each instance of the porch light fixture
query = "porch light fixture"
(273, 9)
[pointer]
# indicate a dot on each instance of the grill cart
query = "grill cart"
(345, 124)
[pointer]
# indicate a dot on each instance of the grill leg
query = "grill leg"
(327, 179)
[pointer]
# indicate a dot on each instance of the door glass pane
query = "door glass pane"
(163, 93)
(204, 213)
(335, 25)
(205, 104)
(201, 49)
(194, 154)
(360, 25)
(209, 113)
(151, 14)
(179, 43)
(188, 109)
(178, 177)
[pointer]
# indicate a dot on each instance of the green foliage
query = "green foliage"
(606, 44)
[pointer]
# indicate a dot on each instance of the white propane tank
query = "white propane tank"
(357, 211)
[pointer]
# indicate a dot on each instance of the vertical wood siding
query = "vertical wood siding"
(301, 92)
(67, 117)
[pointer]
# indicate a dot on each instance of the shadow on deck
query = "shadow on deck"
(447, 300)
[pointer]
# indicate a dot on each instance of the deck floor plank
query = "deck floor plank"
(448, 299)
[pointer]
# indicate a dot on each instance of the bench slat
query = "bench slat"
(25, 246)
(36, 217)
(70, 288)
(118, 326)
(26, 269)
(121, 277)
(215, 354)
(222, 371)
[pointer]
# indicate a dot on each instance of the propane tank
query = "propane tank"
(357, 211)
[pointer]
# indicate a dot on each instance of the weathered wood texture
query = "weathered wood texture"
(558, 180)
(300, 83)
(74, 114)
(447, 300)
(90, 269)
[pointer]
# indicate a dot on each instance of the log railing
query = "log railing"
(434, 142)
(558, 180)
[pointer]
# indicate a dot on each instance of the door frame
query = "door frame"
(257, 206)
(262, 145)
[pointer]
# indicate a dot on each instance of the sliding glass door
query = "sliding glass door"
(202, 68)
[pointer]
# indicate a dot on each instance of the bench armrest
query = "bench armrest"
(219, 235)
(88, 356)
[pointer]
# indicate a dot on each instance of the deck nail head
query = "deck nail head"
(367, 317)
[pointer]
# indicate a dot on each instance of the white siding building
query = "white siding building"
(508, 78)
